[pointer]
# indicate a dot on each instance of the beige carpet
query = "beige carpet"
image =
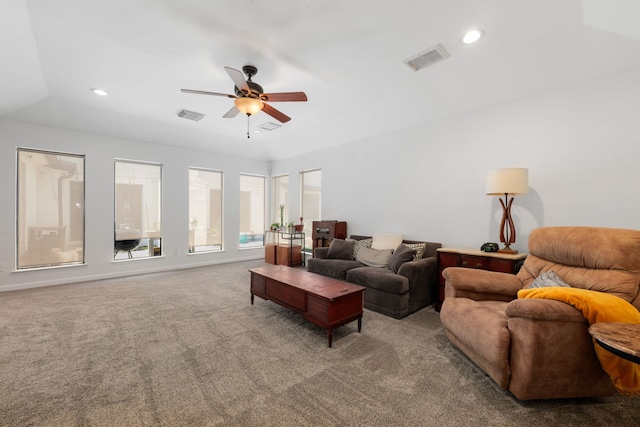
(186, 348)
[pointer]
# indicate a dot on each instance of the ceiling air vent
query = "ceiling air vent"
(269, 126)
(428, 57)
(191, 115)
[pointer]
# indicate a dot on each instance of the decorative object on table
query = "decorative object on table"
(489, 247)
(507, 182)
(300, 227)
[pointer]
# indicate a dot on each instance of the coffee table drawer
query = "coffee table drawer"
(288, 295)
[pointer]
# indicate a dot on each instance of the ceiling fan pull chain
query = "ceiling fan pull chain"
(248, 126)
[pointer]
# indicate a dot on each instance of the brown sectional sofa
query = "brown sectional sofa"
(395, 294)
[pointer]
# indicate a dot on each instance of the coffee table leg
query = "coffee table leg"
(251, 299)
(359, 323)
(330, 336)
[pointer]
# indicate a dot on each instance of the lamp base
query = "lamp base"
(507, 251)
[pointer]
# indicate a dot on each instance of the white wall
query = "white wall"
(580, 144)
(100, 152)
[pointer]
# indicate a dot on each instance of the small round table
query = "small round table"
(621, 339)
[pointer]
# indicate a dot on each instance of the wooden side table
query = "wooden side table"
(621, 339)
(474, 258)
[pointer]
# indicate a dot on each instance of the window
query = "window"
(138, 197)
(205, 210)
(252, 210)
(311, 189)
(50, 209)
(280, 198)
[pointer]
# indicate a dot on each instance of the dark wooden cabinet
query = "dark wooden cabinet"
(473, 258)
(325, 231)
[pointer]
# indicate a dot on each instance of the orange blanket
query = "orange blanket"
(599, 307)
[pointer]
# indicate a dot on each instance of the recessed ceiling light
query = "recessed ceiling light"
(99, 92)
(472, 36)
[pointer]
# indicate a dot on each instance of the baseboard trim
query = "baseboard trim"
(112, 275)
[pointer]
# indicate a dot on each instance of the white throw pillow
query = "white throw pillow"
(386, 240)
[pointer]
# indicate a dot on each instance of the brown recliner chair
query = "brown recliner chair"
(540, 348)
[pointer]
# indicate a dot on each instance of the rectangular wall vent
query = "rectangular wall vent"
(190, 115)
(428, 57)
(269, 126)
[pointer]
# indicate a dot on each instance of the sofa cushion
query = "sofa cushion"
(374, 257)
(386, 240)
(341, 249)
(336, 268)
(379, 278)
(401, 254)
(548, 279)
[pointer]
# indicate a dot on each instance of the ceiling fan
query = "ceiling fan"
(249, 96)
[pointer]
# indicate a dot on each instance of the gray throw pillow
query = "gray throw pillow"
(374, 257)
(341, 249)
(548, 279)
(402, 254)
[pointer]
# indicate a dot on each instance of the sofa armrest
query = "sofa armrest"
(480, 285)
(544, 309)
(422, 275)
(321, 252)
(552, 354)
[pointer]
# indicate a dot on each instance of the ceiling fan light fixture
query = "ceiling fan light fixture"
(248, 106)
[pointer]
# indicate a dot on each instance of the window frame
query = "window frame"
(308, 222)
(18, 188)
(221, 173)
(252, 237)
(276, 203)
(151, 239)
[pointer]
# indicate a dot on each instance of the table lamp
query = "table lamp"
(507, 182)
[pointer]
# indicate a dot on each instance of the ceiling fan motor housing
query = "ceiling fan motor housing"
(256, 90)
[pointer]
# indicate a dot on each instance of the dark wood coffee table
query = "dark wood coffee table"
(326, 302)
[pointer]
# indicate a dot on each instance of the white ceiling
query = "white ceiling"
(346, 55)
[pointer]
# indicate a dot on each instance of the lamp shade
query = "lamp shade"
(511, 181)
(248, 106)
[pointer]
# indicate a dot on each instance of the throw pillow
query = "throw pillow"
(386, 240)
(341, 249)
(548, 279)
(359, 244)
(374, 257)
(402, 254)
(419, 248)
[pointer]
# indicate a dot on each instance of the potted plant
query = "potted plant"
(300, 227)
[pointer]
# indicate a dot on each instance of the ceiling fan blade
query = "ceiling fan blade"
(238, 79)
(278, 115)
(231, 113)
(284, 96)
(202, 92)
